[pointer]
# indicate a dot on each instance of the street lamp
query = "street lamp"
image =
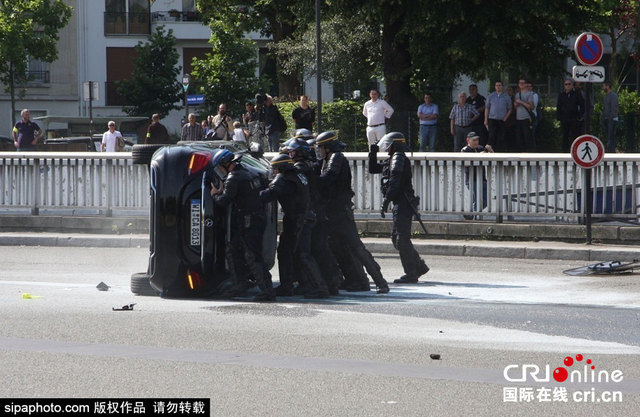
(186, 78)
(318, 67)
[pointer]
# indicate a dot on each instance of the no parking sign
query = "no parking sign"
(588, 48)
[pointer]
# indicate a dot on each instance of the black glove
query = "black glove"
(385, 207)
(374, 149)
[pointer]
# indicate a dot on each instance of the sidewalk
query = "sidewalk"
(479, 248)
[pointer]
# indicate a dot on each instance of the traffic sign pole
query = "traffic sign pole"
(587, 152)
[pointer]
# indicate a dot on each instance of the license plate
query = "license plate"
(195, 222)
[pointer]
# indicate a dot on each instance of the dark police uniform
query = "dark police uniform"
(314, 238)
(335, 183)
(291, 189)
(244, 251)
(397, 187)
(26, 133)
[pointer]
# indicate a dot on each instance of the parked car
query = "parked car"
(188, 234)
(6, 144)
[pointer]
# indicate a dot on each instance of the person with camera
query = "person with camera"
(221, 126)
(397, 188)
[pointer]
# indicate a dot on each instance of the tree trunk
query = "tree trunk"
(613, 64)
(396, 65)
(288, 85)
(12, 93)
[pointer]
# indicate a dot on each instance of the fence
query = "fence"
(495, 186)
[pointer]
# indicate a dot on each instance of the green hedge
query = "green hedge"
(345, 117)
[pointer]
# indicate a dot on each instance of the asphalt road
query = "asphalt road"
(359, 354)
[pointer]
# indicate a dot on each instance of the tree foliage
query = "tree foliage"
(28, 29)
(280, 19)
(153, 86)
(620, 20)
(228, 73)
(350, 49)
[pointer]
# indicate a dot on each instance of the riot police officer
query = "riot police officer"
(335, 184)
(241, 191)
(291, 189)
(314, 238)
(397, 188)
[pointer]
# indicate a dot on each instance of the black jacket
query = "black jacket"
(242, 188)
(291, 189)
(335, 181)
(570, 106)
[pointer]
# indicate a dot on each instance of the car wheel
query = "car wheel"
(140, 284)
(142, 154)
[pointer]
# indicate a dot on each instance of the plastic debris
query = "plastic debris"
(126, 307)
(29, 296)
(102, 286)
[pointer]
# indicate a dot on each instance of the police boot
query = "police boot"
(284, 291)
(357, 286)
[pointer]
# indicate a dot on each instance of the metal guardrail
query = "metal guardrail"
(514, 186)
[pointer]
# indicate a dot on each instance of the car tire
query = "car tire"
(141, 285)
(142, 154)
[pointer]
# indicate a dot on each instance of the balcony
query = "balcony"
(175, 16)
(186, 25)
(122, 23)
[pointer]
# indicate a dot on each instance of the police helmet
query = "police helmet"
(300, 145)
(282, 162)
(284, 148)
(221, 158)
(389, 140)
(326, 138)
(303, 133)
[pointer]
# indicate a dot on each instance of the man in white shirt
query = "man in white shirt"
(110, 138)
(376, 111)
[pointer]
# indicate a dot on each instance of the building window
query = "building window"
(127, 17)
(37, 72)
(119, 67)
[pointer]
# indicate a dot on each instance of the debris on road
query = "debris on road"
(435, 356)
(126, 307)
(102, 286)
(28, 296)
(602, 268)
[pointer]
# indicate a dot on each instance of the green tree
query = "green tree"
(620, 20)
(153, 86)
(228, 73)
(28, 30)
(436, 41)
(280, 19)
(350, 50)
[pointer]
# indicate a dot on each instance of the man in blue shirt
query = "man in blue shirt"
(26, 133)
(428, 115)
(498, 108)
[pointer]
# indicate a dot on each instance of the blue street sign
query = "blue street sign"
(195, 99)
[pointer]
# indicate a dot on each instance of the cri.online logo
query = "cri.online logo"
(571, 371)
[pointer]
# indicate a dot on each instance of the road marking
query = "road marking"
(261, 360)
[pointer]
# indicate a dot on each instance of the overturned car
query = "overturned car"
(188, 233)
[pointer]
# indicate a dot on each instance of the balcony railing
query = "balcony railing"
(175, 16)
(122, 23)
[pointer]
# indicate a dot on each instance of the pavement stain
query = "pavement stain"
(265, 309)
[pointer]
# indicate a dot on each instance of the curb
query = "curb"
(485, 249)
